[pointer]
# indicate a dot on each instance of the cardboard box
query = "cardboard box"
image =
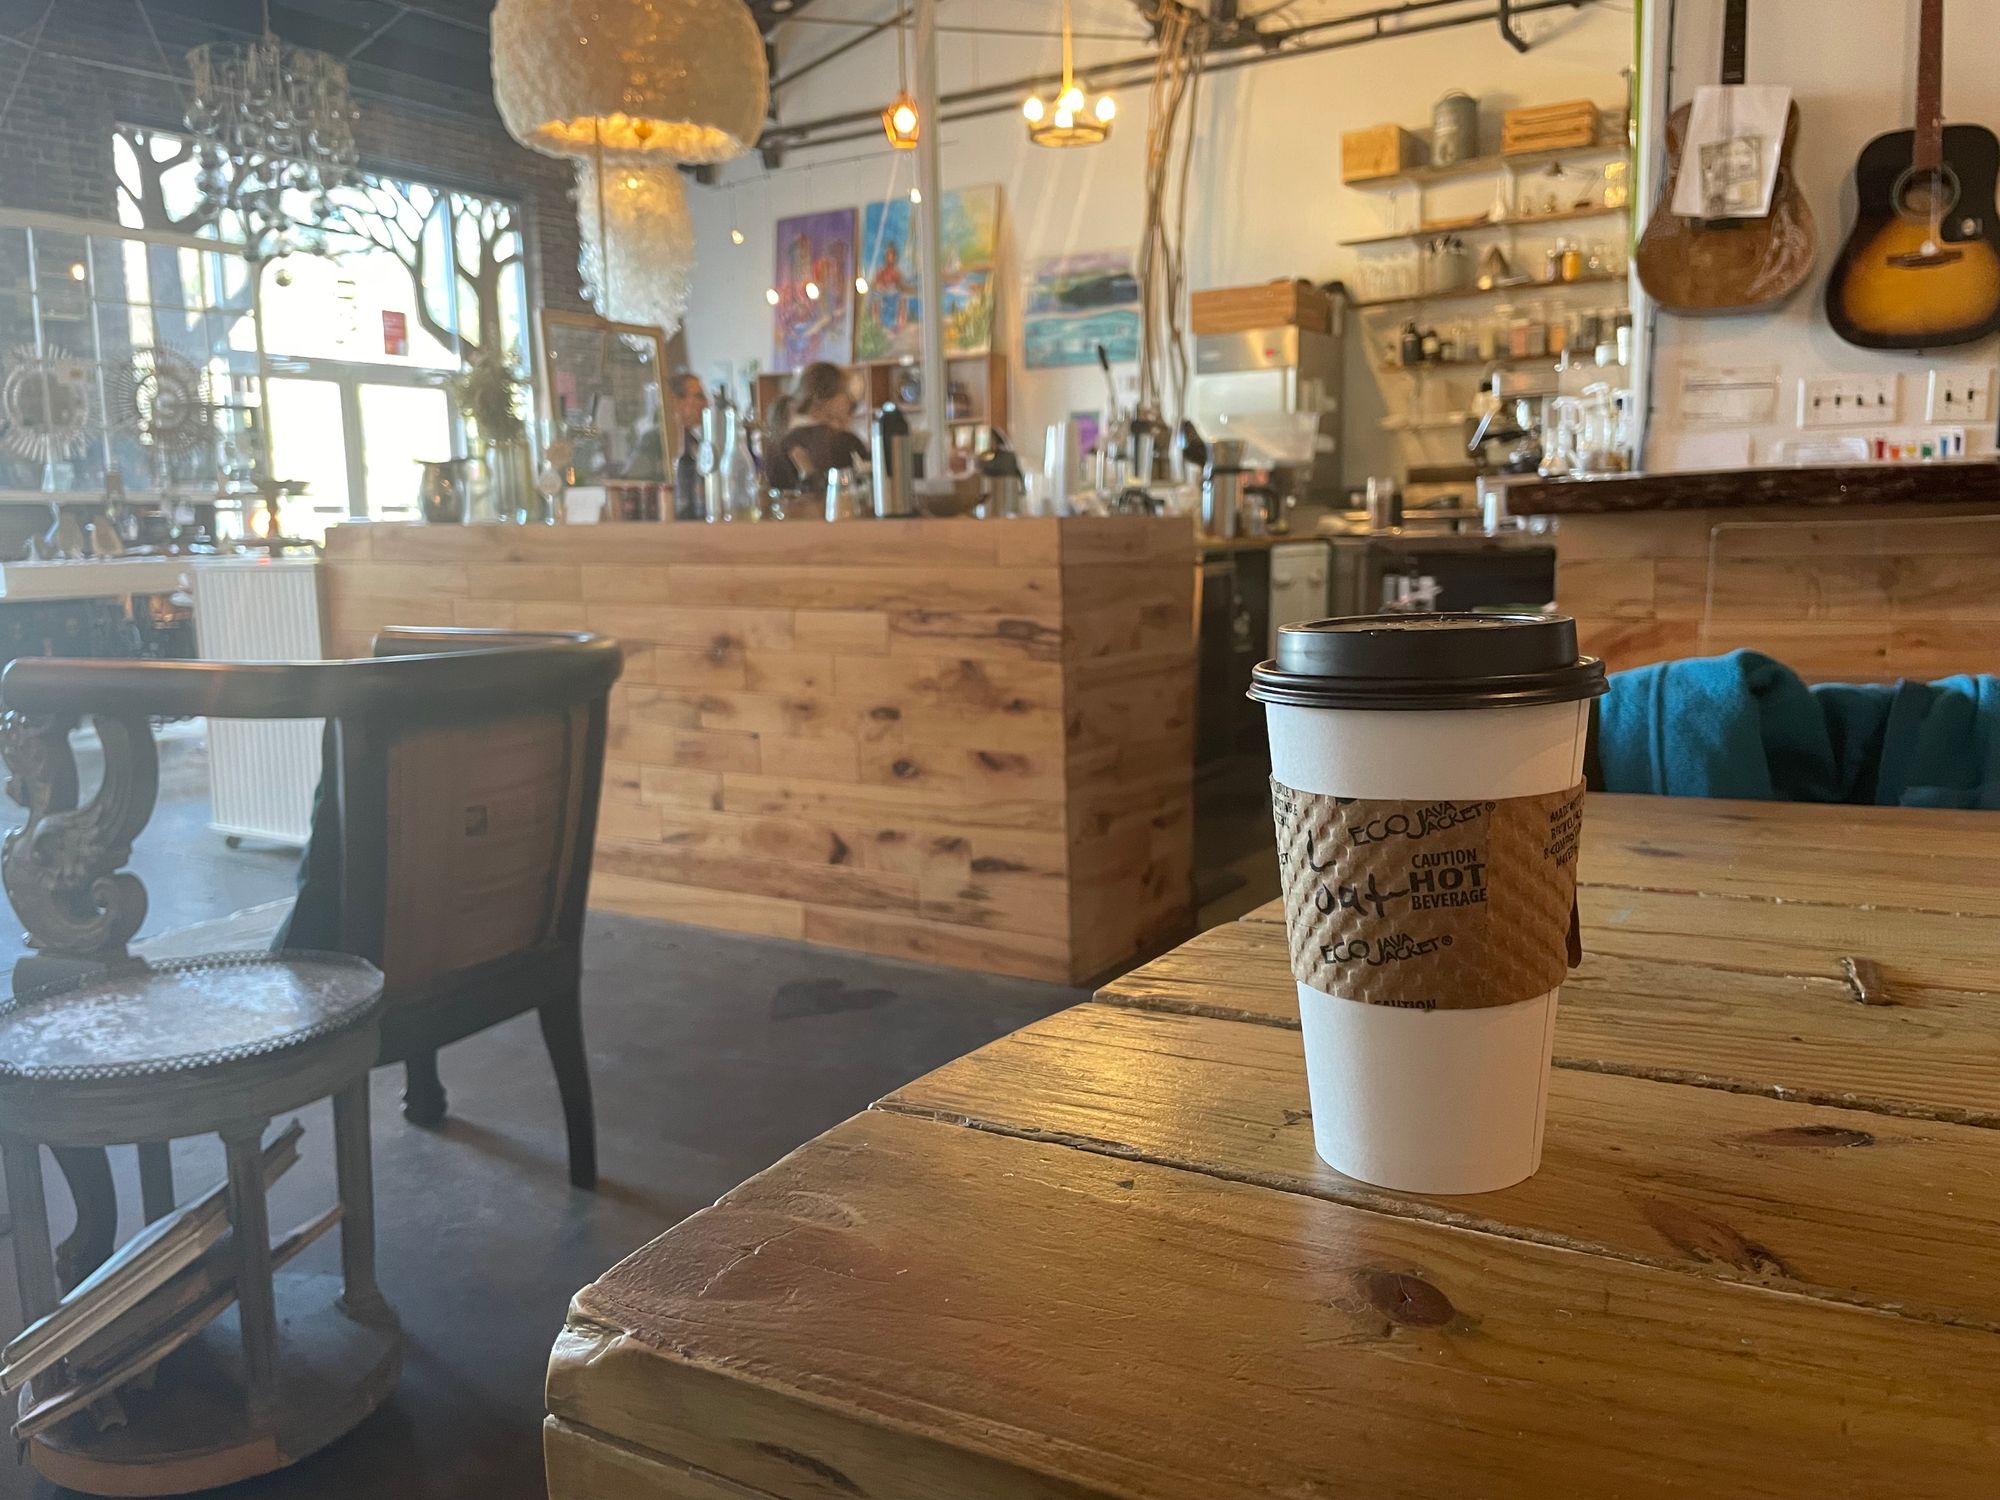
(1378, 151)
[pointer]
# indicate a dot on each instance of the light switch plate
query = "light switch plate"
(1849, 400)
(1959, 395)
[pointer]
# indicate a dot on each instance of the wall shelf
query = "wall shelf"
(1425, 423)
(1509, 360)
(1610, 143)
(1515, 221)
(1473, 293)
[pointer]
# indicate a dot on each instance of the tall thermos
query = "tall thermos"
(1222, 489)
(894, 464)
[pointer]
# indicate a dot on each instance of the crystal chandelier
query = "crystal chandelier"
(271, 121)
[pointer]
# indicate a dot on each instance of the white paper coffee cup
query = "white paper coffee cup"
(1434, 708)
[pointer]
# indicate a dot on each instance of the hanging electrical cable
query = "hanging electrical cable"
(1184, 41)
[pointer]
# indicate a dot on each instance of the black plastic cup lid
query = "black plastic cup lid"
(1428, 661)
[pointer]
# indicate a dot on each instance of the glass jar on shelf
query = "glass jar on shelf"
(1537, 337)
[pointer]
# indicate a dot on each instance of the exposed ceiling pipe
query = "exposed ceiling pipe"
(378, 33)
(874, 30)
(1126, 72)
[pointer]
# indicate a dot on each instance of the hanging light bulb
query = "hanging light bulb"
(861, 285)
(812, 291)
(771, 295)
(899, 120)
(735, 236)
(916, 195)
(1071, 120)
(899, 123)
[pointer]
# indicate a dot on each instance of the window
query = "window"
(419, 281)
(125, 354)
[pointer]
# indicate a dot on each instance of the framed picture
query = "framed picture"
(889, 320)
(814, 315)
(1076, 302)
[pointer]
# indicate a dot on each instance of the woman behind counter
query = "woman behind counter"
(809, 435)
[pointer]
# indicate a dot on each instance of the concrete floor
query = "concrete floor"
(711, 1056)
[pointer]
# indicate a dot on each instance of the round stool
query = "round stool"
(193, 1047)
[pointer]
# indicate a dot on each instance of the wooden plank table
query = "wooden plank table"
(1100, 1257)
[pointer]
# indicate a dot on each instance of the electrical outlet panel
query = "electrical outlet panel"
(1849, 400)
(1961, 395)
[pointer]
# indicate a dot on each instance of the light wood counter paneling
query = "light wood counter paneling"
(1848, 582)
(967, 743)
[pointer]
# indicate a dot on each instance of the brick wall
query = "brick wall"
(98, 68)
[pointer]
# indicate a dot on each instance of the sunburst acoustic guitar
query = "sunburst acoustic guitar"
(1727, 265)
(1922, 265)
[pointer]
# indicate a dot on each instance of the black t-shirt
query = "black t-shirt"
(824, 446)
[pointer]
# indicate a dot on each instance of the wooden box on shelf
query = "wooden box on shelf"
(1571, 125)
(1378, 151)
(1275, 304)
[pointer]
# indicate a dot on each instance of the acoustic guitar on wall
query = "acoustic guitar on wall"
(1922, 265)
(1727, 264)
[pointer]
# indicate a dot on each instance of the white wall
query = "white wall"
(1266, 198)
(1851, 66)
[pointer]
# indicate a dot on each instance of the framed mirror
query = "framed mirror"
(606, 396)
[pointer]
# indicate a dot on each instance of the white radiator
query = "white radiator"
(261, 773)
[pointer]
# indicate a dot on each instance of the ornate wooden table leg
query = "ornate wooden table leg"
(251, 1231)
(34, 1257)
(354, 1173)
(156, 1178)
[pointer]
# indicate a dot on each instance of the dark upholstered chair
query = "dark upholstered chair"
(451, 843)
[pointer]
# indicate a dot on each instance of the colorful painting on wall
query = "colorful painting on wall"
(814, 316)
(889, 321)
(1076, 302)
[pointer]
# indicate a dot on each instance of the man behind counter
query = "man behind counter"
(690, 400)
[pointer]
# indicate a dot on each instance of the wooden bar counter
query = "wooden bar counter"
(962, 742)
(1857, 574)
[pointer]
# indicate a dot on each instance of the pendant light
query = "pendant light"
(900, 121)
(1071, 120)
(631, 89)
(686, 81)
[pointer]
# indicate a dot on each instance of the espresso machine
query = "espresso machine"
(1280, 390)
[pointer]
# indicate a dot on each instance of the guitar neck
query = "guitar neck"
(1735, 40)
(1929, 151)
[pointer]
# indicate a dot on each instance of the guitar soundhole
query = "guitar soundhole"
(1925, 195)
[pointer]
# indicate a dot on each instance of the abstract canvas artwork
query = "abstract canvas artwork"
(814, 280)
(889, 321)
(1076, 302)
